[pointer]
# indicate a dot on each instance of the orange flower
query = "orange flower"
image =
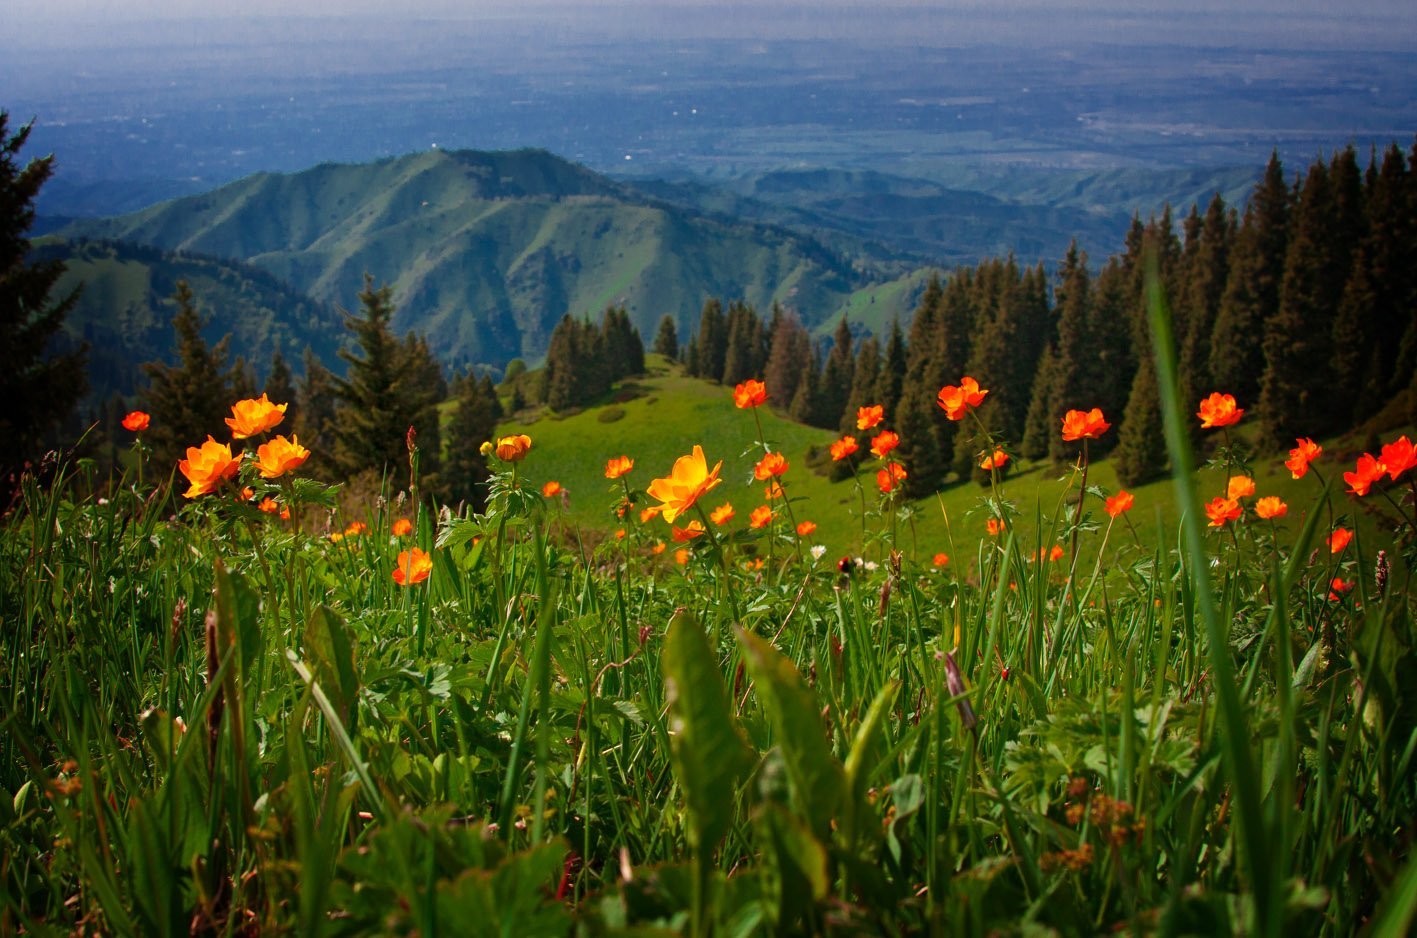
(1338, 540)
(208, 466)
(280, 456)
(761, 517)
(402, 526)
(889, 477)
(687, 481)
(994, 526)
(843, 448)
(619, 534)
(805, 528)
(1080, 425)
(755, 564)
(247, 493)
(647, 514)
(772, 490)
(1338, 587)
(1221, 511)
(884, 442)
(722, 514)
(413, 567)
(770, 467)
(693, 529)
(552, 489)
(751, 393)
(681, 556)
(1119, 503)
(513, 448)
(1398, 456)
(136, 421)
(618, 466)
(868, 417)
(1271, 506)
(1219, 410)
(994, 460)
(940, 559)
(958, 401)
(250, 417)
(1055, 554)
(1240, 487)
(356, 528)
(285, 513)
(1300, 456)
(658, 548)
(1368, 471)
(269, 506)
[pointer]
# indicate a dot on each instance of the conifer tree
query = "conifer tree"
(314, 417)
(1295, 397)
(422, 388)
(789, 361)
(865, 377)
(39, 389)
(806, 400)
(1140, 455)
(666, 340)
(564, 385)
(1251, 295)
(1392, 269)
(1356, 360)
(746, 354)
(280, 385)
(474, 423)
(192, 398)
(1038, 425)
(712, 342)
(622, 348)
(1206, 273)
(893, 368)
(837, 377)
(1074, 384)
(373, 415)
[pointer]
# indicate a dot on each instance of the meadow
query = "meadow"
(231, 707)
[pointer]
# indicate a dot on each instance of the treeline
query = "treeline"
(1302, 307)
(584, 360)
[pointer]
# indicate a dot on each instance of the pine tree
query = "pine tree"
(1392, 260)
(806, 397)
(280, 385)
(712, 342)
(914, 420)
(474, 423)
(422, 388)
(893, 368)
(1140, 455)
(564, 386)
(745, 356)
(1295, 397)
(39, 389)
(865, 377)
(666, 340)
(1039, 423)
(789, 361)
(624, 351)
(1251, 298)
(314, 418)
(190, 400)
(1356, 360)
(837, 377)
(373, 418)
(1206, 274)
(1074, 384)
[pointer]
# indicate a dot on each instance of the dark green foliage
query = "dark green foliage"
(1391, 257)
(919, 451)
(1114, 361)
(390, 386)
(865, 377)
(315, 405)
(1252, 287)
(424, 388)
(39, 388)
(711, 342)
(789, 362)
(1206, 270)
(189, 400)
(837, 377)
(892, 378)
(747, 346)
(280, 383)
(474, 423)
(1140, 455)
(1038, 424)
(584, 362)
(622, 347)
(1073, 384)
(666, 339)
(806, 406)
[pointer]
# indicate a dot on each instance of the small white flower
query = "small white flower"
(818, 550)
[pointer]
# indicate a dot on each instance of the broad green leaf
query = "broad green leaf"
(329, 648)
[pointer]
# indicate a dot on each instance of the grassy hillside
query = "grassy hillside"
(669, 412)
(488, 250)
(125, 309)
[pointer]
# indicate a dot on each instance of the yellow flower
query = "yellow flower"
(687, 481)
(250, 417)
(280, 456)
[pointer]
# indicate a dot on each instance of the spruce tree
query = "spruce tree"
(893, 367)
(39, 389)
(189, 400)
(1392, 269)
(314, 419)
(1039, 423)
(745, 356)
(837, 377)
(564, 385)
(1206, 274)
(865, 376)
(280, 385)
(789, 361)
(806, 404)
(1074, 377)
(712, 342)
(666, 340)
(373, 418)
(1140, 455)
(474, 423)
(1356, 359)
(422, 388)
(919, 451)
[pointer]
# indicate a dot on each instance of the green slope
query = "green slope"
(488, 250)
(125, 309)
(669, 413)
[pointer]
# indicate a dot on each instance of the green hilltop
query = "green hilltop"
(488, 250)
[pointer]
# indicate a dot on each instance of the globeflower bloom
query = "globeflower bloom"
(1338, 587)
(1368, 471)
(402, 526)
(269, 506)
(770, 467)
(891, 476)
(1219, 410)
(1084, 425)
(1271, 506)
(884, 442)
(1119, 503)
(413, 566)
(618, 466)
(690, 479)
(1398, 456)
(279, 456)
(551, 489)
(250, 417)
(940, 559)
(958, 401)
(994, 526)
(1240, 487)
(1221, 511)
(208, 466)
(136, 421)
(805, 528)
(1300, 456)
(749, 394)
(761, 517)
(722, 514)
(693, 529)
(1338, 540)
(513, 448)
(994, 460)
(868, 417)
(843, 448)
